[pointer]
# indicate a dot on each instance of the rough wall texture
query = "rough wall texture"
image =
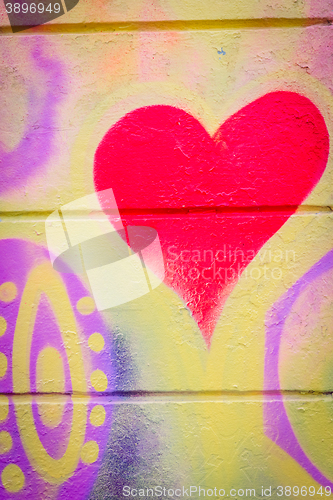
(211, 123)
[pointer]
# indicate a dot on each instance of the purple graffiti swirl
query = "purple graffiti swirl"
(35, 146)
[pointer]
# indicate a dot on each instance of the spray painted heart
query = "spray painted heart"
(161, 164)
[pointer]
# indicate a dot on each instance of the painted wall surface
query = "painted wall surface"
(166, 270)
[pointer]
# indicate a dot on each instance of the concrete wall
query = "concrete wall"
(211, 122)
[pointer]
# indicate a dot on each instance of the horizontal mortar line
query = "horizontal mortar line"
(176, 25)
(192, 211)
(139, 397)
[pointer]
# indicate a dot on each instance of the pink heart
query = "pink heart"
(242, 184)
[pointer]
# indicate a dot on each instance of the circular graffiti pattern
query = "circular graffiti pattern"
(299, 355)
(54, 360)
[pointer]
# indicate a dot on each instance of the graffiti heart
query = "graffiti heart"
(161, 159)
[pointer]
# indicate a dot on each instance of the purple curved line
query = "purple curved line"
(276, 422)
(35, 147)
